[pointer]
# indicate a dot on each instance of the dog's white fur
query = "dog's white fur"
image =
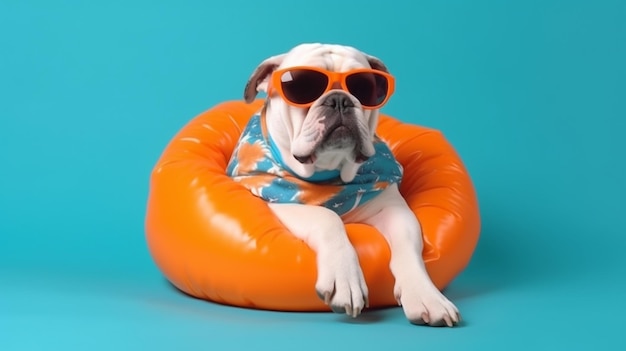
(340, 282)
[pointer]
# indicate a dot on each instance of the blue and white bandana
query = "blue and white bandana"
(257, 164)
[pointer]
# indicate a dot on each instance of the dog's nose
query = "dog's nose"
(338, 101)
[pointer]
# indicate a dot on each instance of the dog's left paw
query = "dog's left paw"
(427, 306)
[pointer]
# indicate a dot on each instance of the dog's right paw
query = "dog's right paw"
(340, 282)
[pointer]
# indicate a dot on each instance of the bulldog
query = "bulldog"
(312, 153)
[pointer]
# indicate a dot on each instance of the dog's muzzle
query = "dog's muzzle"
(338, 101)
(340, 126)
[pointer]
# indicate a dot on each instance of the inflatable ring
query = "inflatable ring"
(214, 240)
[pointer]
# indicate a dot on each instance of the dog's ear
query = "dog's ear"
(260, 77)
(376, 63)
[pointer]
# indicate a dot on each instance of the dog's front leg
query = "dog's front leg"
(340, 282)
(422, 302)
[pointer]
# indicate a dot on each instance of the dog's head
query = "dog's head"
(322, 106)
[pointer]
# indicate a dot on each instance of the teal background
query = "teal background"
(531, 93)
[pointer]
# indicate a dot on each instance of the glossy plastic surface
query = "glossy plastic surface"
(214, 240)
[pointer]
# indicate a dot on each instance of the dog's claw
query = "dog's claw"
(348, 310)
(448, 321)
(327, 298)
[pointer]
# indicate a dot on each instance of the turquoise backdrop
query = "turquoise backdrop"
(531, 93)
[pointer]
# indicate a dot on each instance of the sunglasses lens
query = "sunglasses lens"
(370, 88)
(302, 86)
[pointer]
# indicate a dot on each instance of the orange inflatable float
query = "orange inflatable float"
(214, 240)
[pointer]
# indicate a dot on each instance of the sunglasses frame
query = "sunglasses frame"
(333, 78)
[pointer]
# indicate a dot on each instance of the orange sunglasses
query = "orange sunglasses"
(301, 86)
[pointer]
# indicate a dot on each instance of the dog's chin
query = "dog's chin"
(337, 153)
(343, 134)
(341, 141)
(340, 138)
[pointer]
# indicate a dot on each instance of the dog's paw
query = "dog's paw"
(340, 282)
(427, 306)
